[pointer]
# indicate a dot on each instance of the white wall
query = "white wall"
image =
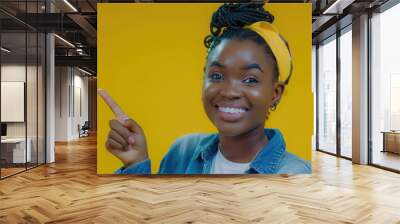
(16, 73)
(71, 94)
(61, 103)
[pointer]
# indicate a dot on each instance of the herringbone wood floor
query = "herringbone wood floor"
(70, 191)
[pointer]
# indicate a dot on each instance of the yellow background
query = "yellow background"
(150, 60)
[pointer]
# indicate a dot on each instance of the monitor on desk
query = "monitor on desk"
(3, 130)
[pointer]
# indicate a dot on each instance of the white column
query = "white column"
(360, 89)
(50, 93)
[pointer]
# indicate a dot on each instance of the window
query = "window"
(346, 75)
(385, 89)
(327, 95)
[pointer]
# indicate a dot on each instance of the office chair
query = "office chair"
(84, 130)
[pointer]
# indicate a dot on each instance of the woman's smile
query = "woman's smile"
(230, 113)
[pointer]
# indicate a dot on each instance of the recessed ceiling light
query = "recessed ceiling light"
(71, 6)
(64, 40)
(84, 71)
(5, 50)
(337, 7)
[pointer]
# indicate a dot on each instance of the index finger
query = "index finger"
(121, 116)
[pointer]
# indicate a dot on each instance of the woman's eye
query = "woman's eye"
(215, 76)
(250, 81)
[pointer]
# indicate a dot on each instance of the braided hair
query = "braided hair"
(228, 22)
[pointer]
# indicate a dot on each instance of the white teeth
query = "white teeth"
(231, 110)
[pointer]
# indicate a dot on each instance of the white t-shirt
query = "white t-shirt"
(221, 165)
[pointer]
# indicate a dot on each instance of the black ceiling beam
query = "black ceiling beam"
(86, 26)
(82, 61)
(91, 5)
(11, 25)
(49, 22)
(64, 51)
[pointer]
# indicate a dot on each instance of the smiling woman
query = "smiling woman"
(247, 68)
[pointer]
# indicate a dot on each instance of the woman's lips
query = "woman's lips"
(231, 114)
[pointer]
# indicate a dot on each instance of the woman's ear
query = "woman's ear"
(279, 87)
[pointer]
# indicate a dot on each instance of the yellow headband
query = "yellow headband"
(278, 47)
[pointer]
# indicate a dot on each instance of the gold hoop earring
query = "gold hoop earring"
(273, 107)
(267, 116)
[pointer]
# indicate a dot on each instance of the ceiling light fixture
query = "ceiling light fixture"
(332, 9)
(79, 51)
(84, 71)
(337, 7)
(70, 5)
(64, 40)
(5, 50)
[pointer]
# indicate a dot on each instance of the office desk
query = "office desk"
(13, 150)
(391, 141)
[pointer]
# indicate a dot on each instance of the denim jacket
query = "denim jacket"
(194, 154)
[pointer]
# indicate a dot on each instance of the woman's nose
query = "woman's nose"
(231, 90)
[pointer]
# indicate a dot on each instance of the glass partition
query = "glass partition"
(41, 107)
(31, 100)
(22, 77)
(14, 154)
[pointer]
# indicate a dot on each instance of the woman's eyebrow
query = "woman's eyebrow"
(251, 66)
(217, 64)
